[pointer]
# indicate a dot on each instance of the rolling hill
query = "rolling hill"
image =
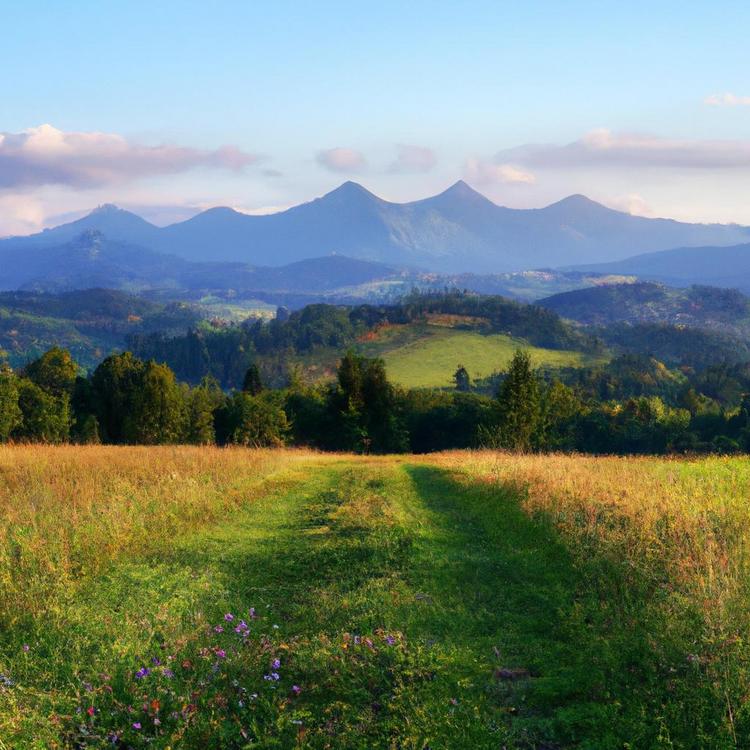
(682, 266)
(711, 308)
(457, 231)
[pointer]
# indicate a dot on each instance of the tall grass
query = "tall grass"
(65, 512)
(665, 541)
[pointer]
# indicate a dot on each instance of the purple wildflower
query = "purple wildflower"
(26, 648)
(168, 673)
(276, 663)
(218, 629)
(273, 677)
(142, 672)
(136, 725)
(229, 617)
(390, 640)
(220, 653)
(357, 640)
(252, 613)
(155, 661)
(296, 689)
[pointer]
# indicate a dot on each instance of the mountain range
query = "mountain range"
(456, 231)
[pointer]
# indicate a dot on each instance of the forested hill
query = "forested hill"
(712, 308)
(318, 335)
(90, 323)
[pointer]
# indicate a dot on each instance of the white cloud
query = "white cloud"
(345, 160)
(481, 172)
(727, 100)
(633, 203)
(413, 159)
(48, 156)
(603, 148)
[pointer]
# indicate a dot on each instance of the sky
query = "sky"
(168, 108)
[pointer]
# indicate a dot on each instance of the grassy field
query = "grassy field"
(208, 598)
(426, 355)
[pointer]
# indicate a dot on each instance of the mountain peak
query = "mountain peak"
(577, 200)
(350, 189)
(105, 208)
(461, 189)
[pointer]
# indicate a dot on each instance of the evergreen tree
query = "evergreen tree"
(462, 380)
(10, 412)
(519, 405)
(252, 383)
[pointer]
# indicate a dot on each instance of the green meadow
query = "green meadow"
(207, 598)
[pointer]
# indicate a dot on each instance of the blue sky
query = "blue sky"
(172, 106)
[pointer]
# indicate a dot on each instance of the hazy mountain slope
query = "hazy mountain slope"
(718, 266)
(88, 260)
(456, 231)
(724, 310)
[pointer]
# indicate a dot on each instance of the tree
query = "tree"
(158, 413)
(559, 408)
(252, 383)
(462, 379)
(114, 384)
(203, 403)
(44, 417)
(10, 412)
(54, 372)
(254, 421)
(519, 405)
(364, 406)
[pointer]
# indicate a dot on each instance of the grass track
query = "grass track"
(483, 631)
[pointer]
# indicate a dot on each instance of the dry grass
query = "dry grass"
(67, 511)
(676, 533)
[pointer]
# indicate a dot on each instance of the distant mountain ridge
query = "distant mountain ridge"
(457, 231)
(715, 265)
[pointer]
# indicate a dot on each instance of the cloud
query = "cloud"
(603, 148)
(481, 172)
(727, 100)
(633, 203)
(413, 159)
(48, 156)
(345, 160)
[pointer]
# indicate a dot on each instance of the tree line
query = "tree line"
(128, 400)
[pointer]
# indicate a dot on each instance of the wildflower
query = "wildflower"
(157, 722)
(136, 725)
(168, 673)
(229, 617)
(90, 710)
(296, 689)
(357, 640)
(273, 677)
(275, 627)
(390, 640)
(218, 629)
(142, 672)
(26, 648)
(252, 613)
(220, 653)
(155, 661)
(276, 663)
